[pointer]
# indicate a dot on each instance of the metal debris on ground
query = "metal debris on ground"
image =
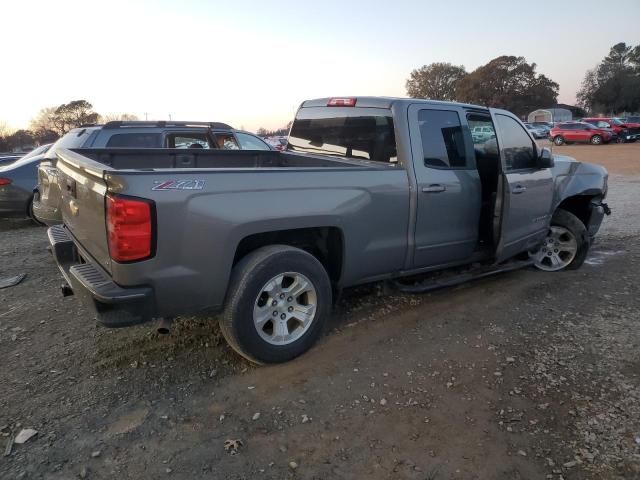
(24, 435)
(7, 450)
(233, 446)
(6, 282)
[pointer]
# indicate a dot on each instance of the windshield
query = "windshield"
(615, 121)
(361, 133)
(73, 139)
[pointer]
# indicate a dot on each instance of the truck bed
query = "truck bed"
(207, 204)
(163, 158)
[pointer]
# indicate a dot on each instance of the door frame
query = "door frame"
(417, 155)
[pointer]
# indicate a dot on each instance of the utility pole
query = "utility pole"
(146, 116)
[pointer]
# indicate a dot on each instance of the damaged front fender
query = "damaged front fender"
(581, 188)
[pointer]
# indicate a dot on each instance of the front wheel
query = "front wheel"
(278, 299)
(596, 140)
(566, 245)
(558, 140)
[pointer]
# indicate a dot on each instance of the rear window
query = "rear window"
(360, 133)
(135, 140)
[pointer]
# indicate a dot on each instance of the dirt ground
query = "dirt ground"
(527, 375)
(622, 158)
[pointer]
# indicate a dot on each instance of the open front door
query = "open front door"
(525, 191)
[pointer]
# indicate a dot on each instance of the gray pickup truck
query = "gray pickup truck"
(369, 189)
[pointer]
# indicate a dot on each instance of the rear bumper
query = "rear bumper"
(113, 305)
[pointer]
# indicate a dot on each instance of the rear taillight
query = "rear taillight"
(342, 102)
(129, 228)
(5, 181)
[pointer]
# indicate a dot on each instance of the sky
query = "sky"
(251, 64)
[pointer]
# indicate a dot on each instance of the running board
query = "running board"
(452, 281)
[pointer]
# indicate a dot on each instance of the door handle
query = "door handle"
(518, 189)
(435, 188)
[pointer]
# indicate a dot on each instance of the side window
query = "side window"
(135, 140)
(442, 139)
(518, 148)
(483, 136)
(249, 142)
(188, 140)
(603, 125)
(226, 141)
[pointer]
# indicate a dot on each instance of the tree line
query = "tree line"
(613, 86)
(52, 123)
(279, 132)
(511, 83)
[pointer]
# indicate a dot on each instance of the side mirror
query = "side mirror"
(545, 158)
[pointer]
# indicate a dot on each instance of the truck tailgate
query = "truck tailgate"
(81, 182)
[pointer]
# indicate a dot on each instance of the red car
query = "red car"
(626, 131)
(569, 132)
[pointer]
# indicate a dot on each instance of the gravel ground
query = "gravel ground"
(522, 376)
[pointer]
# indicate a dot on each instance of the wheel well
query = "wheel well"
(580, 206)
(324, 243)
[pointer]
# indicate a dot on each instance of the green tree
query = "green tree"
(613, 86)
(64, 117)
(75, 114)
(618, 59)
(508, 82)
(436, 81)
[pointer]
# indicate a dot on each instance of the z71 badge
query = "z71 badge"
(178, 185)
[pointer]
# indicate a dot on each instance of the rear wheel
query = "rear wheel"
(596, 140)
(566, 245)
(558, 140)
(278, 299)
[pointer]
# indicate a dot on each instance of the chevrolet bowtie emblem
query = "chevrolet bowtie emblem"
(74, 208)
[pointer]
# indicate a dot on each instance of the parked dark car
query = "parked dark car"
(369, 189)
(17, 180)
(580, 132)
(135, 134)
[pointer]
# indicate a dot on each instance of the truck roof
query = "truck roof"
(387, 102)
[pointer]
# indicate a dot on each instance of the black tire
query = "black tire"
(596, 140)
(247, 280)
(558, 140)
(568, 220)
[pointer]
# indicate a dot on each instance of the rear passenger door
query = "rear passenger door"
(448, 186)
(527, 190)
